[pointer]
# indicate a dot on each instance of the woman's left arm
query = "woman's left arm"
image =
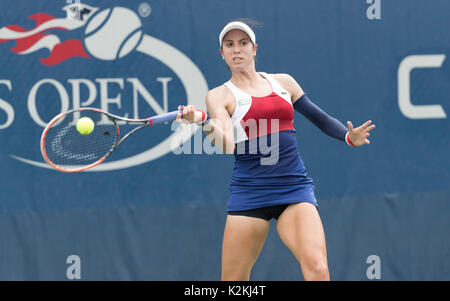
(327, 124)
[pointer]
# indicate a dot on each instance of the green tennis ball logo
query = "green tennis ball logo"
(85, 126)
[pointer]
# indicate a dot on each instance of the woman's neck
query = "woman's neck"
(245, 79)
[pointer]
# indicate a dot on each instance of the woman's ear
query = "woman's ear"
(255, 48)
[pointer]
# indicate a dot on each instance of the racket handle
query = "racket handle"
(163, 117)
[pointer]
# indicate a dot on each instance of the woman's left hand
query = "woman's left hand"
(358, 136)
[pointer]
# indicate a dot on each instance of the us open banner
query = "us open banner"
(156, 209)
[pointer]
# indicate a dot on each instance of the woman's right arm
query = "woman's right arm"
(219, 129)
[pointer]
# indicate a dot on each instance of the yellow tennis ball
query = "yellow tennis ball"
(85, 126)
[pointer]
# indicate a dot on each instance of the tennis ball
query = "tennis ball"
(85, 126)
(113, 33)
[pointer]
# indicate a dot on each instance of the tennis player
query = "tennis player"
(259, 192)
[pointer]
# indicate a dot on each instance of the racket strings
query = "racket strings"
(69, 149)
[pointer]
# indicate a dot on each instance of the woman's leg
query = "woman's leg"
(243, 240)
(300, 228)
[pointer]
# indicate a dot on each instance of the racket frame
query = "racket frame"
(143, 123)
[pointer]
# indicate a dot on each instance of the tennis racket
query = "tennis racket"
(66, 149)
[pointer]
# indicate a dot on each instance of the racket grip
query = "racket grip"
(164, 117)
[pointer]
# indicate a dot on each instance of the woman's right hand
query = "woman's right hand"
(188, 115)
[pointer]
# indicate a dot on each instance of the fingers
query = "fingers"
(187, 115)
(370, 127)
(359, 135)
(365, 127)
(350, 126)
(366, 124)
(179, 115)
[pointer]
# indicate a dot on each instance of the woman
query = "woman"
(281, 188)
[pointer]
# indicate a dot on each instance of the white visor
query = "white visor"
(237, 25)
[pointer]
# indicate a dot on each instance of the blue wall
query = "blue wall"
(163, 218)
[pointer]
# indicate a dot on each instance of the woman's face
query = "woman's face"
(238, 50)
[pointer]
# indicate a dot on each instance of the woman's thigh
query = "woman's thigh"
(300, 228)
(242, 243)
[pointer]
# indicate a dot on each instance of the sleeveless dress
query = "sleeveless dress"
(267, 170)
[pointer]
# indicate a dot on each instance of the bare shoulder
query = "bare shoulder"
(218, 92)
(283, 77)
(219, 98)
(290, 84)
